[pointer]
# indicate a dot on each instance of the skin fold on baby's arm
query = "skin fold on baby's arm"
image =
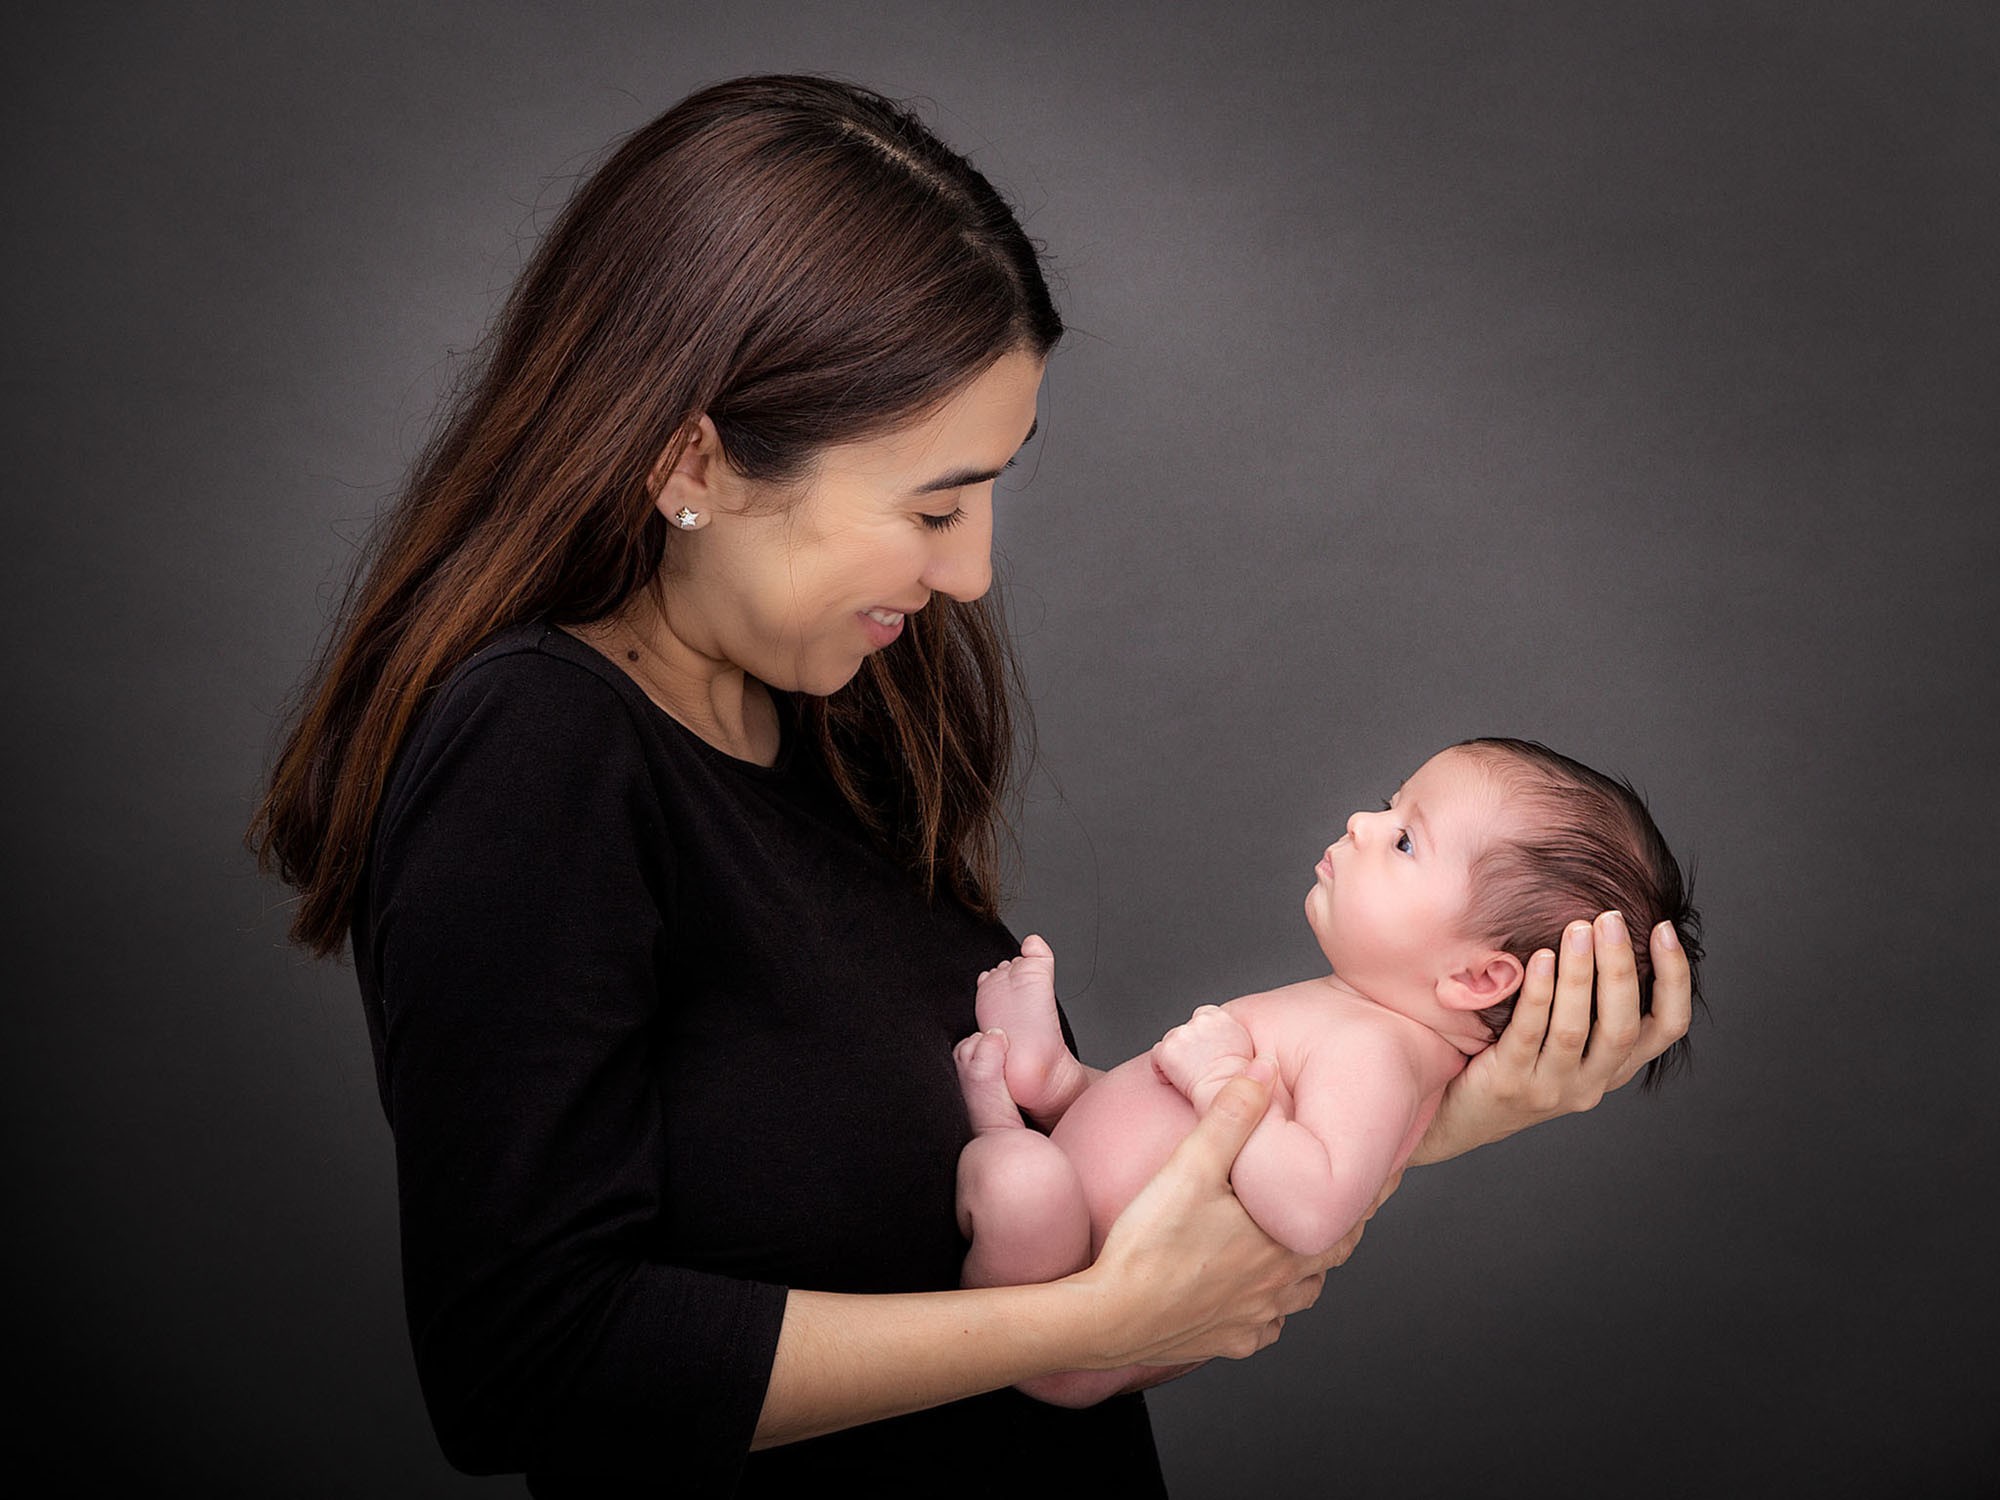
(1343, 1123)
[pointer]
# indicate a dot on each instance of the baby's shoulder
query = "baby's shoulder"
(1309, 1009)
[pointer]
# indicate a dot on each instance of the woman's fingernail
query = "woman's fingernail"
(1542, 965)
(1614, 928)
(1259, 1070)
(1669, 937)
(1577, 939)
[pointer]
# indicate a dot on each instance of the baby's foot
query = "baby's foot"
(982, 1077)
(1019, 997)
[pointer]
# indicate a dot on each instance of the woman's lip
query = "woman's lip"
(881, 632)
(1324, 869)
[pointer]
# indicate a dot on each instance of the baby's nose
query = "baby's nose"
(1354, 822)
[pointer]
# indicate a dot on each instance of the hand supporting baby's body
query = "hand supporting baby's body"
(1356, 1085)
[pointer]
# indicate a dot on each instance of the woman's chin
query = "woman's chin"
(822, 681)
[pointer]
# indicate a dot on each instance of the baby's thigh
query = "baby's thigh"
(1014, 1172)
(1021, 1209)
(1118, 1135)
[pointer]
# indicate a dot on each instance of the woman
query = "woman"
(655, 773)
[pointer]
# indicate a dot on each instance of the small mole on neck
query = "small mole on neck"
(631, 656)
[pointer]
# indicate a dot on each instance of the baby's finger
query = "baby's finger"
(1569, 1016)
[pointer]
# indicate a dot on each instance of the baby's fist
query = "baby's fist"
(1210, 1046)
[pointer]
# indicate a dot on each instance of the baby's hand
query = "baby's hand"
(1203, 1053)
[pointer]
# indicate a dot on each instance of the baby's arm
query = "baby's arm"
(1203, 1053)
(1309, 1179)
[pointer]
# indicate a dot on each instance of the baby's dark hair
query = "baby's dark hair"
(1590, 846)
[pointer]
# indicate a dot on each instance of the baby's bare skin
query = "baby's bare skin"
(1356, 1085)
(1361, 1055)
(1018, 998)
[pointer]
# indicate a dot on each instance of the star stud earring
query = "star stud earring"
(687, 519)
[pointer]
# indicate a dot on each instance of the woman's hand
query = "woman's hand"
(1552, 1059)
(1185, 1273)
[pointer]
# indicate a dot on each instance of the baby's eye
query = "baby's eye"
(1403, 843)
(944, 522)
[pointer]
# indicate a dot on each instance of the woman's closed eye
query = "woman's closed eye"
(956, 515)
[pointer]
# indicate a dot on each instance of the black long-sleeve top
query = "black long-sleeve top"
(660, 1034)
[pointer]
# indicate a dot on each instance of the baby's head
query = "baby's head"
(1580, 843)
(1434, 905)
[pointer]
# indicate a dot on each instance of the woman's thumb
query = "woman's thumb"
(1232, 1115)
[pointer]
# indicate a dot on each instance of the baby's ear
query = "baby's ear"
(1488, 978)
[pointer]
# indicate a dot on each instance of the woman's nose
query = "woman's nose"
(961, 562)
(1355, 823)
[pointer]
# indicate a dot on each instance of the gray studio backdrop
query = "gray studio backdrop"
(1620, 374)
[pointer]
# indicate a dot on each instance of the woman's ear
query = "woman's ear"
(1488, 978)
(684, 482)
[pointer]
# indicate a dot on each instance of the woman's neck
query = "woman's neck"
(716, 700)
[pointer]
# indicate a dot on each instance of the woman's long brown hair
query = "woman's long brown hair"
(806, 263)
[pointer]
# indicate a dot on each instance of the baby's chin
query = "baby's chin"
(1316, 927)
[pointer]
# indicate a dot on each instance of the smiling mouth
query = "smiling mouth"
(886, 617)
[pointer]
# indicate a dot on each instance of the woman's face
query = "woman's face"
(797, 593)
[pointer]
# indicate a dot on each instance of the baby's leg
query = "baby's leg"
(1022, 1206)
(1019, 1200)
(1019, 998)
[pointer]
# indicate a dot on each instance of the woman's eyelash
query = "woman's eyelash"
(946, 522)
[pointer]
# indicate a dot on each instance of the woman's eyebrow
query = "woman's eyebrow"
(958, 479)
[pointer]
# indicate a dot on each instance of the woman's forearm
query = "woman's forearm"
(844, 1360)
(1183, 1275)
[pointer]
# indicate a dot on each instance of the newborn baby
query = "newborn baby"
(1428, 911)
